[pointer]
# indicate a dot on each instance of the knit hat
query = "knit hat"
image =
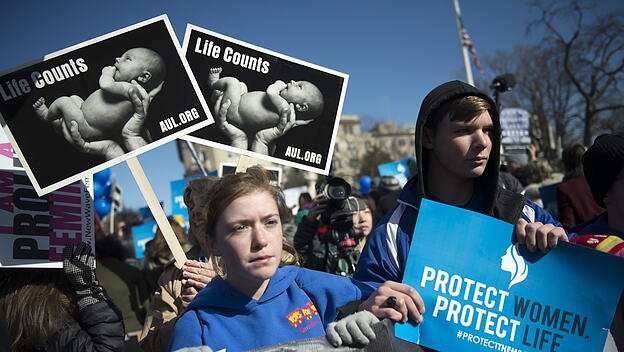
(389, 183)
(607, 243)
(602, 163)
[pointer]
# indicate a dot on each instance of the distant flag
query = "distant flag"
(467, 42)
(466, 45)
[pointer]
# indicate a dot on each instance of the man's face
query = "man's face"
(615, 196)
(460, 149)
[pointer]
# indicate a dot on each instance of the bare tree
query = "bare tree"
(593, 55)
(543, 89)
(371, 160)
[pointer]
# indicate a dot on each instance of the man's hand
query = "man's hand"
(140, 100)
(532, 152)
(197, 274)
(319, 204)
(237, 137)
(187, 294)
(288, 120)
(109, 149)
(132, 132)
(406, 303)
(537, 235)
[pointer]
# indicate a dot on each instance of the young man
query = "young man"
(457, 150)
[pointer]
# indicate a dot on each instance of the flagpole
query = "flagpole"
(464, 49)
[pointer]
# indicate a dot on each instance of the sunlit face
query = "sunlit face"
(131, 65)
(461, 149)
(298, 91)
(248, 237)
(363, 220)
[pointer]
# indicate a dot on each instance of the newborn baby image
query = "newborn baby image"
(258, 110)
(103, 114)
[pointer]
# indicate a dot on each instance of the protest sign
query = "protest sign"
(142, 234)
(484, 293)
(178, 209)
(146, 214)
(34, 229)
(74, 112)
(8, 157)
(248, 76)
(398, 169)
(515, 131)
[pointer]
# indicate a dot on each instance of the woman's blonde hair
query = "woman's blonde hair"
(233, 186)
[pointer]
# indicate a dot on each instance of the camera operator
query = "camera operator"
(313, 237)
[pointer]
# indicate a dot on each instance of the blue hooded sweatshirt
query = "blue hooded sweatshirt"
(387, 247)
(298, 303)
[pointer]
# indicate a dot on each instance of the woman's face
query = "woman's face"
(363, 220)
(248, 237)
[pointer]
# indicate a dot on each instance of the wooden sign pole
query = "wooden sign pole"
(157, 211)
(244, 162)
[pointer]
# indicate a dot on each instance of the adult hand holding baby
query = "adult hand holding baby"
(131, 132)
(237, 137)
(288, 120)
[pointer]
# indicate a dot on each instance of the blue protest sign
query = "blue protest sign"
(398, 169)
(142, 234)
(178, 208)
(483, 293)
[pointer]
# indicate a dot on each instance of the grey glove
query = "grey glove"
(195, 349)
(352, 330)
(79, 267)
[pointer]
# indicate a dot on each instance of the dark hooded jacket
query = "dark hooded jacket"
(387, 247)
(487, 183)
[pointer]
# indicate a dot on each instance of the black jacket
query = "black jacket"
(100, 329)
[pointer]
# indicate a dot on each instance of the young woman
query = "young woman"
(255, 302)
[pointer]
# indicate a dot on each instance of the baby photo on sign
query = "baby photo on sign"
(265, 104)
(95, 104)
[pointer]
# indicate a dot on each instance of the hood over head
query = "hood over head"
(446, 92)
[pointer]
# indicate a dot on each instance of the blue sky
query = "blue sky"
(393, 51)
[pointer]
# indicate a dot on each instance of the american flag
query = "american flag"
(467, 42)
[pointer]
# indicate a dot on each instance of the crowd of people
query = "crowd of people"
(257, 276)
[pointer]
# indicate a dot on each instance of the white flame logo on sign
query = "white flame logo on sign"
(513, 262)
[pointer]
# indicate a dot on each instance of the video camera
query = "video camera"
(338, 216)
